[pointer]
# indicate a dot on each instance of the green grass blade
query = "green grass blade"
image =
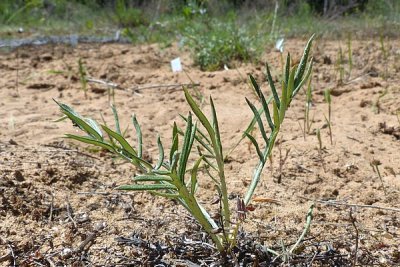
(303, 62)
(272, 86)
(146, 187)
(139, 136)
(116, 119)
(260, 155)
(259, 121)
(160, 153)
(91, 141)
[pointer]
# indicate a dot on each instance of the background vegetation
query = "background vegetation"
(217, 32)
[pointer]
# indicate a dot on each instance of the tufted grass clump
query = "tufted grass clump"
(175, 174)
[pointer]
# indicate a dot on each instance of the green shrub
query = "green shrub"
(218, 43)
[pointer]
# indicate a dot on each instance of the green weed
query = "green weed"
(328, 100)
(82, 76)
(349, 55)
(171, 177)
(308, 122)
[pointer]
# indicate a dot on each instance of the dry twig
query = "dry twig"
(353, 222)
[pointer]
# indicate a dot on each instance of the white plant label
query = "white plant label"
(176, 65)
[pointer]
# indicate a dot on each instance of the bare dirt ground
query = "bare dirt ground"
(50, 215)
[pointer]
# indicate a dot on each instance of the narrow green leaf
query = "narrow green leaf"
(276, 115)
(303, 62)
(260, 155)
(126, 147)
(186, 148)
(206, 160)
(259, 121)
(272, 86)
(94, 126)
(174, 161)
(216, 127)
(308, 73)
(263, 102)
(116, 119)
(284, 103)
(161, 172)
(91, 141)
(199, 114)
(160, 153)
(61, 119)
(146, 187)
(287, 68)
(139, 136)
(109, 136)
(175, 142)
(193, 178)
(124, 144)
(202, 135)
(152, 178)
(290, 87)
(80, 121)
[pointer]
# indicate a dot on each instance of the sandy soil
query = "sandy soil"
(47, 209)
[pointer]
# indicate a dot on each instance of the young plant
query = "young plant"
(307, 121)
(320, 149)
(171, 177)
(385, 55)
(82, 76)
(350, 55)
(339, 66)
(328, 100)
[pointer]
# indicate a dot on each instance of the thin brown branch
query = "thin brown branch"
(167, 86)
(353, 222)
(336, 203)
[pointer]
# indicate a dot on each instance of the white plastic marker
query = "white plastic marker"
(279, 44)
(176, 65)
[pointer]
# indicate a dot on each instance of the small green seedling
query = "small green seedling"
(350, 55)
(319, 140)
(339, 66)
(172, 177)
(82, 76)
(328, 100)
(385, 55)
(309, 101)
